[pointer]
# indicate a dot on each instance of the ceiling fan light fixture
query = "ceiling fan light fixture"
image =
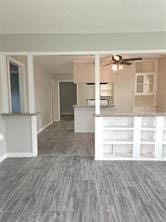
(120, 67)
(114, 67)
(116, 58)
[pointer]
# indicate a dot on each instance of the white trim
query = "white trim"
(44, 127)
(59, 81)
(22, 87)
(59, 115)
(9, 155)
(3, 84)
(31, 86)
(99, 138)
(15, 61)
(91, 52)
(34, 135)
(137, 137)
(52, 100)
(97, 84)
(133, 159)
(3, 157)
(159, 137)
(77, 91)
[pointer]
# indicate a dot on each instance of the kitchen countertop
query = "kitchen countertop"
(129, 114)
(91, 106)
(20, 114)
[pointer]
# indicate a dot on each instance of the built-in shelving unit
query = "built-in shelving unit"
(131, 137)
(164, 139)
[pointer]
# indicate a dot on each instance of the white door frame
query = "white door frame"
(59, 81)
(52, 100)
(65, 53)
(22, 88)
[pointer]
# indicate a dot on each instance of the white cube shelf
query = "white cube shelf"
(130, 137)
(147, 150)
(148, 136)
(148, 122)
(164, 151)
(126, 122)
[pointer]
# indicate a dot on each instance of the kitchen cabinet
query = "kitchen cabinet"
(144, 84)
(106, 90)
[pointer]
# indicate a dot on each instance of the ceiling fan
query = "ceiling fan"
(118, 62)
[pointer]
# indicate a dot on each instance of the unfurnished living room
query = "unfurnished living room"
(82, 111)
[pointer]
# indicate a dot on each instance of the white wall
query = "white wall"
(85, 92)
(18, 142)
(2, 142)
(124, 86)
(161, 88)
(43, 80)
(123, 89)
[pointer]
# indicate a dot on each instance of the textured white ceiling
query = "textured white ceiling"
(82, 16)
(60, 64)
(64, 64)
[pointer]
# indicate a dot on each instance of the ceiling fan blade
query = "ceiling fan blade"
(106, 57)
(110, 63)
(132, 59)
(123, 62)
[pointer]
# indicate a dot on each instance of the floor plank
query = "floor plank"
(74, 189)
(65, 184)
(60, 139)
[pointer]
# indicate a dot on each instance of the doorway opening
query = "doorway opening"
(61, 84)
(67, 98)
(16, 86)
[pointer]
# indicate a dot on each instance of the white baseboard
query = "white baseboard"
(3, 157)
(44, 127)
(67, 114)
(8, 155)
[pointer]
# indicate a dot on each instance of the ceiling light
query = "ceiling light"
(114, 67)
(120, 67)
(116, 57)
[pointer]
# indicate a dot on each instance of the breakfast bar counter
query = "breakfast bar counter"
(84, 118)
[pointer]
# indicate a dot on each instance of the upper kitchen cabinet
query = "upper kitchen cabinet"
(84, 72)
(144, 84)
(145, 78)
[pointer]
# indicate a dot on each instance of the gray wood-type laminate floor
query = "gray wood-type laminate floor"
(67, 185)
(60, 139)
(78, 189)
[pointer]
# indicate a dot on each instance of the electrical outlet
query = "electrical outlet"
(1, 137)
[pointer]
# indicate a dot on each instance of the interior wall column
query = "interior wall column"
(4, 92)
(97, 84)
(31, 86)
(31, 103)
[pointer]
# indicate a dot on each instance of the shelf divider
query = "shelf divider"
(159, 137)
(99, 151)
(137, 137)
